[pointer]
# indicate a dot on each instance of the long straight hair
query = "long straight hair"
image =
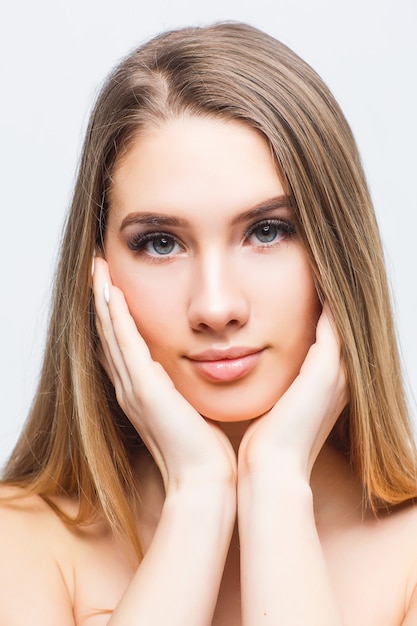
(77, 440)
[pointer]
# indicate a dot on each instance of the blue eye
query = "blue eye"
(266, 232)
(154, 244)
(270, 231)
(162, 245)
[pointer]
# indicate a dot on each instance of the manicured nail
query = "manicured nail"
(106, 292)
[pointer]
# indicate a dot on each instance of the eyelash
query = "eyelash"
(137, 243)
(287, 230)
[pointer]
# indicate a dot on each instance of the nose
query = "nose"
(218, 300)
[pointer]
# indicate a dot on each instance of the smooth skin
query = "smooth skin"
(217, 285)
(246, 515)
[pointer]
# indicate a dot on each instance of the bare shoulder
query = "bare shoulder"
(396, 534)
(373, 566)
(398, 530)
(35, 571)
(53, 572)
(20, 512)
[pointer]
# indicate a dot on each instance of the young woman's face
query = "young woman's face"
(202, 243)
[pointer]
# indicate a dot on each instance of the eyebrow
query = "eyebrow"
(152, 219)
(263, 208)
(162, 220)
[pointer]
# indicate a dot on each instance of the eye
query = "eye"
(154, 244)
(162, 245)
(266, 232)
(270, 231)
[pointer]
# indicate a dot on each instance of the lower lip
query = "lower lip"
(226, 370)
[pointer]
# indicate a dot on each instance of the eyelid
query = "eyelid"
(285, 225)
(138, 241)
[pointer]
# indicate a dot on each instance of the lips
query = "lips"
(226, 365)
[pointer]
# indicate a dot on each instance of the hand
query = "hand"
(186, 447)
(296, 428)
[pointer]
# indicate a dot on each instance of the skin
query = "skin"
(246, 515)
(220, 287)
(214, 178)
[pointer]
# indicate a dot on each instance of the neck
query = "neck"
(337, 492)
(234, 431)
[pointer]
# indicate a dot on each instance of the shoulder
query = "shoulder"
(372, 562)
(402, 527)
(393, 534)
(55, 572)
(396, 534)
(399, 527)
(35, 568)
(19, 510)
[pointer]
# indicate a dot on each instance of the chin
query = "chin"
(232, 414)
(235, 403)
(244, 400)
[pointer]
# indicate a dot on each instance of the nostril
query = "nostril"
(231, 323)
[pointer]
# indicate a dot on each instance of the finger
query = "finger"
(136, 380)
(103, 351)
(111, 350)
(324, 358)
(326, 330)
(133, 348)
(107, 364)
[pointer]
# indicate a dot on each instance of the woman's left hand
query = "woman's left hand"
(295, 429)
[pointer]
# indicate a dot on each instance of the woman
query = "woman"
(220, 434)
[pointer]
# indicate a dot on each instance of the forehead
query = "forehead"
(190, 163)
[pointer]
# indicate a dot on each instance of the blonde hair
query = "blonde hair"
(77, 440)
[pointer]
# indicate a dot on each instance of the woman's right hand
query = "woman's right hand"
(198, 467)
(186, 447)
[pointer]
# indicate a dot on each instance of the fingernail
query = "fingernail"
(92, 262)
(106, 292)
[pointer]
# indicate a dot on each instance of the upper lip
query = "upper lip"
(220, 354)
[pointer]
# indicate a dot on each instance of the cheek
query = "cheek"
(287, 290)
(297, 310)
(153, 304)
(305, 304)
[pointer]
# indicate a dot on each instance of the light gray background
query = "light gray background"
(54, 55)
